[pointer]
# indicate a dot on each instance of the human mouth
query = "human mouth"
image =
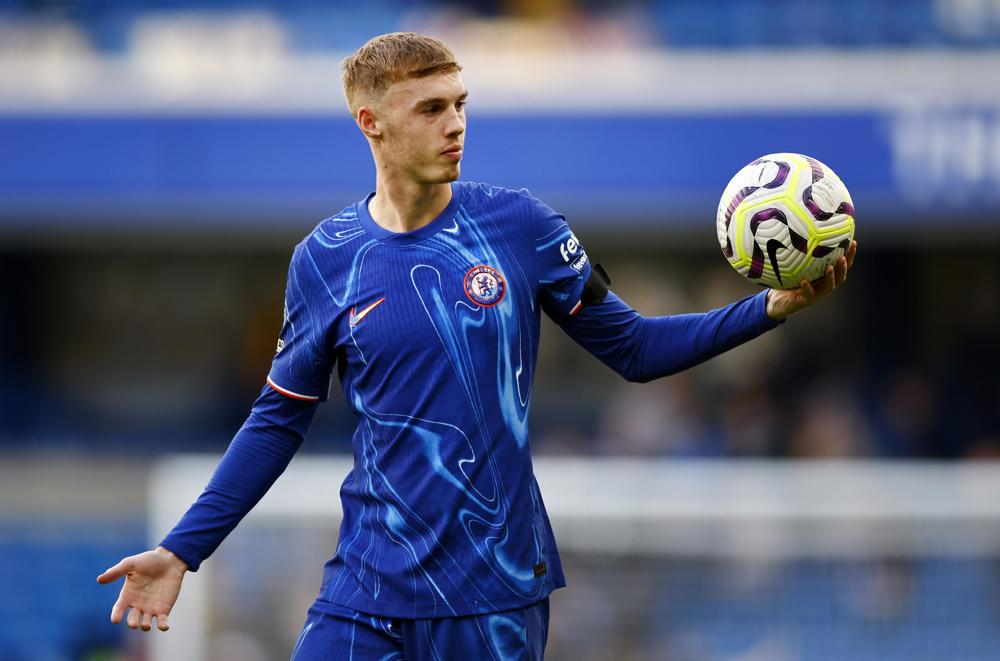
(453, 153)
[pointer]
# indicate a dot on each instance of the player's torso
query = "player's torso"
(444, 321)
(436, 336)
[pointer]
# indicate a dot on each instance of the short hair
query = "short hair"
(391, 58)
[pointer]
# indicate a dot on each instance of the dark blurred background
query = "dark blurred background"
(159, 161)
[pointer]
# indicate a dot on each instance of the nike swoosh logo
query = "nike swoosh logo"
(773, 246)
(356, 317)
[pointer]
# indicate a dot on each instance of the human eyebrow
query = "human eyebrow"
(438, 100)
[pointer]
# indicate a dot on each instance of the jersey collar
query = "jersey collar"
(419, 234)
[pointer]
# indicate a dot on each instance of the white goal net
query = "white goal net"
(699, 560)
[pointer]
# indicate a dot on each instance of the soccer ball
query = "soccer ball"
(784, 217)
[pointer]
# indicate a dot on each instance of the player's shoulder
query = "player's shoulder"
(330, 245)
(490, 196)
(333, 231)
(479, 191)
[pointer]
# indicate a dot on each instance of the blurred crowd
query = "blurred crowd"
(340, 25)
(163, 349)
(896, 364)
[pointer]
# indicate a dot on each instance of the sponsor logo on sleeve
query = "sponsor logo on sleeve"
(569, 248)
(284, 323)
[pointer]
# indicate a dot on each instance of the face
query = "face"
(421, 123)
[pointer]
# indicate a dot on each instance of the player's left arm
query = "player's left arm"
(644, 348)
(575, 294)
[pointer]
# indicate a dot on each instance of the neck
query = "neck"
(404, 206)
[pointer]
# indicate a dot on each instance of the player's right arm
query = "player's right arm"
(152, 583)
(258, 454)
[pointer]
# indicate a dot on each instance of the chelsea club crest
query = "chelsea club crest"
(485, 286)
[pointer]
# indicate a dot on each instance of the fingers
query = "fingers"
(833, 276)
(808, 293)
(822, 286)
(116, 572)
(138, 619)
(840, 271)
(117, 611)
(133, 619)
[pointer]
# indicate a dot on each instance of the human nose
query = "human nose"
(456, 122)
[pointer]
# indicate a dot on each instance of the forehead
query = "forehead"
(435, 86)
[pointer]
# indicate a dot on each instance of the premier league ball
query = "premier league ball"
(784, 217)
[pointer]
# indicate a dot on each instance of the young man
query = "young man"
(426, 296)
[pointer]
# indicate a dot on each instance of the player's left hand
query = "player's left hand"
(783, 302)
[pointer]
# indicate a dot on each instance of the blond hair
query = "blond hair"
(391, 58)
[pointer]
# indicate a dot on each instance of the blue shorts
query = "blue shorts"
(333, 632)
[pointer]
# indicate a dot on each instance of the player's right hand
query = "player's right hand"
(152, 583)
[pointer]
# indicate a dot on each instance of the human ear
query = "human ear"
(369, 123)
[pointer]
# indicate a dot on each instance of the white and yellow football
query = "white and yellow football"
(784, 217)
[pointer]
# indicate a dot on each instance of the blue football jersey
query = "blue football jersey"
(434, 337)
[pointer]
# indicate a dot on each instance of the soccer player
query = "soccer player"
(426, 297)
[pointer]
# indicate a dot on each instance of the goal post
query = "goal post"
(710, 512)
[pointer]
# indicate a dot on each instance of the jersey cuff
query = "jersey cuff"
(767, 322)
(187, 552)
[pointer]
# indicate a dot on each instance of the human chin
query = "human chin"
(445, 174)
